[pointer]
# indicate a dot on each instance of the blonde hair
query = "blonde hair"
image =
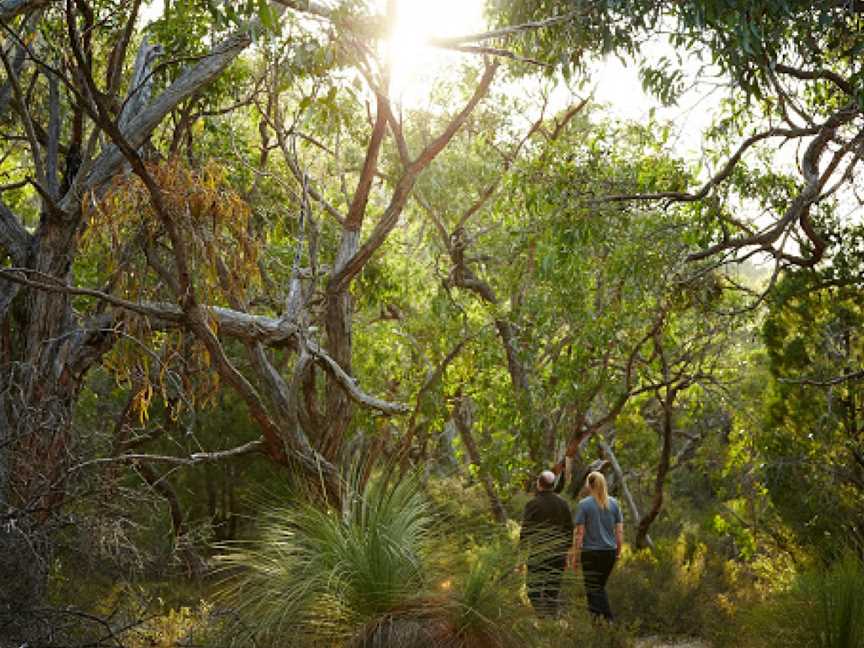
(597, 486)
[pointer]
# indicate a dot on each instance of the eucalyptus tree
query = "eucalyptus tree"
(570, 301)
(794, 77)
(782, 161)
(96, 132)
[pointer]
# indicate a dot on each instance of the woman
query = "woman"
(598, 535)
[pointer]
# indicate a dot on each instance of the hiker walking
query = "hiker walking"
(597, 540)
(547, 527)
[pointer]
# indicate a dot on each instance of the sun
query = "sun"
(413, 63)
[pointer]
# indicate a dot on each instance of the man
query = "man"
(547, 528)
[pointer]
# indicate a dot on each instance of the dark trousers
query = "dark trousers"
(544, 585)
(596, 567)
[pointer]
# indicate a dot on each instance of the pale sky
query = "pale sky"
(614, 84)
(415, 66)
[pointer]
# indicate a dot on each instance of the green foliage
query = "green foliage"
(823, 608)
(742, 38)
(576, 629)
(838, 618)
(811, 441)
(484, 604)
(681, 588)
(581, 280)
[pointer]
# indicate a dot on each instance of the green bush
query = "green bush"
(317, 574)
(576, 628)
(680, 588)
(384, 572)
(824, 608)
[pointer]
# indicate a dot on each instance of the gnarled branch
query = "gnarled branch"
(349, 384)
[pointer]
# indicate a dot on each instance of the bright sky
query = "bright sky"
(414, 66)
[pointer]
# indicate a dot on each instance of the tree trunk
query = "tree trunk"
(43, 358)
(667, 402)
(463, 417)
(628, 496)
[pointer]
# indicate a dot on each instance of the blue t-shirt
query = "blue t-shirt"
(599, 523)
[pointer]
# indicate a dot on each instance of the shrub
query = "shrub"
(824, 608)
(680, 588)
(377, 574)
(486, 606)
(576, 628)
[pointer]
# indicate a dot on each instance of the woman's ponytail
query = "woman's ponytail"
(597, 486)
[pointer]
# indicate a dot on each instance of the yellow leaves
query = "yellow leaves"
(213, 219)
(170, 627)
(125, 245)
(141, 403)
(166, 370)
(213, 325)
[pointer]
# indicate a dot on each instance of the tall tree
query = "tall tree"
(796, 76)
(183, 238)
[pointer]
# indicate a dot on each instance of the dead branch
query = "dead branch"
(349, 384)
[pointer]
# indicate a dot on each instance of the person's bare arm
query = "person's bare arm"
(619, 538)
(578, 534)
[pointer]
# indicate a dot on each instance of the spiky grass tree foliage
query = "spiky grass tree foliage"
(823, 608)
(387, 572)
(485, 606)
(833, 600)
(319, 575)
(472, 598)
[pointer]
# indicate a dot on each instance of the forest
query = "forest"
(286, 340)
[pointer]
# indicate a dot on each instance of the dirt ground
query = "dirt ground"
(658, 642)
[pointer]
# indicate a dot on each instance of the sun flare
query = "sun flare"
(413, 62)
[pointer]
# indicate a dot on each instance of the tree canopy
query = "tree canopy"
(236, 268)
